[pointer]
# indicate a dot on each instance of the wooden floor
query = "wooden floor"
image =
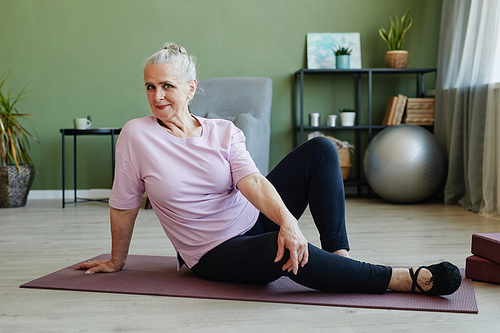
(40, 238)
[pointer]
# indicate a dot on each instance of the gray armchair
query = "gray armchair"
(247, 102)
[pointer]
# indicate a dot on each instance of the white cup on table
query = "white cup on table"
(82, 123)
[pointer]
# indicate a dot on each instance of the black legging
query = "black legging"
(310, 174)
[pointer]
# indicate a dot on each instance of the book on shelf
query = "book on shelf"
(417, 119)
(420, 106)
(421, 103)
(400, 110)
(390, 111)
(420, 111)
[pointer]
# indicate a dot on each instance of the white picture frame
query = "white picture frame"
(321, 46)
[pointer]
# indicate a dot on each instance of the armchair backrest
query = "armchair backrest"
(247, 102)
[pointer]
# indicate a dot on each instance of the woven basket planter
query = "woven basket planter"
(15, 185)
(397, 59)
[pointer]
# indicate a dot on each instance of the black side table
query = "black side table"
(73, 132)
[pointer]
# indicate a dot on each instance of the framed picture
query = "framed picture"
(321, 46)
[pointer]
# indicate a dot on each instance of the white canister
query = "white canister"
(314, 119)
(331, 120)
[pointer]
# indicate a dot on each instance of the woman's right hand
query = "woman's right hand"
(99, 266)
(291, 238)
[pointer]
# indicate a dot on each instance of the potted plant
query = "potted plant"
(347, 117)
(396, 57)
(16, 168)
(342, 59)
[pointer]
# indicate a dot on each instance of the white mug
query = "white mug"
(82, 123)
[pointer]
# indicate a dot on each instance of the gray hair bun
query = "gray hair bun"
(171, 47)
(170, 53)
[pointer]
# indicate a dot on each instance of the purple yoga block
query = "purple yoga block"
(481, 269)
(487, 245)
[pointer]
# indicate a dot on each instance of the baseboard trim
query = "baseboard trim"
(69, 194)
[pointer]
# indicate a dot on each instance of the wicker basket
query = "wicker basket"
(345, 162)
(397, 59)
(15, 185)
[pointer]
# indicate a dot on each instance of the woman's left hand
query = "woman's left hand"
(291, 238)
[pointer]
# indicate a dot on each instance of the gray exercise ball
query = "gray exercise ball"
(405, 164)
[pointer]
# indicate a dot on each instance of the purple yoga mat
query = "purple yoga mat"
(157, 275)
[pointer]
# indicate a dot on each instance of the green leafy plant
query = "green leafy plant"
(14, 143)
(340, 50)
(395, 38)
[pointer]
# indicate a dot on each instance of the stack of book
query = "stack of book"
(484, 264)
(420, 111)
(395, 110)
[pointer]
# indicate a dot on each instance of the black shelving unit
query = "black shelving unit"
(298, 105)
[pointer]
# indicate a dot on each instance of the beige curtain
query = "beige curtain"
(490, 205)
(467, 103)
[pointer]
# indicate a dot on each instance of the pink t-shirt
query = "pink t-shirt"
(191, 182)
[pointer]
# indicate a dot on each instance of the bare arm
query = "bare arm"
(122, 227)
(262, 194)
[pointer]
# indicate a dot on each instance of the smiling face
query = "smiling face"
(168, 95)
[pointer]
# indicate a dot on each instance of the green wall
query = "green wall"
(85, 58)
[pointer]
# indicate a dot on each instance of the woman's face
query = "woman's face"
(167, 93)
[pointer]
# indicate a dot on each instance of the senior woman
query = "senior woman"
(228, 222)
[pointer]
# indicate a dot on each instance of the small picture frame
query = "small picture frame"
(321, 46)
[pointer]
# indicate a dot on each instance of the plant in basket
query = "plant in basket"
(16, 168)
(396, 57)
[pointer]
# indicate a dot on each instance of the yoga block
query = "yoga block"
(481, 269)
(487, 246)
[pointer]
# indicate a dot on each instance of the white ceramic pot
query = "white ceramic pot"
(347, 118)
